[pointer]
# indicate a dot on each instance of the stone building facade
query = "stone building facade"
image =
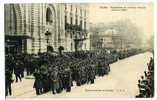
(32, 28)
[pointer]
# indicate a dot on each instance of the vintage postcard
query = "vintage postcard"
(79, 50)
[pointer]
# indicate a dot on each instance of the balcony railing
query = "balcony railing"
(74, 27)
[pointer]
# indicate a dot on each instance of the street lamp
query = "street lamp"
(47, 34)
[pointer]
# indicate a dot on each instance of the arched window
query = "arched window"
(49, 16)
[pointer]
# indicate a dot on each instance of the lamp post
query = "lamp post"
(47, 34)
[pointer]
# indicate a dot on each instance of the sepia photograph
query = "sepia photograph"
(79, 50)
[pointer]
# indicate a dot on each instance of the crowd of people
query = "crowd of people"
(146, 83)
(56, 73)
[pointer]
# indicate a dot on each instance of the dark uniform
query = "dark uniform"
(107, 68)
(78, 77)
(91, 74)
(55, 81)
(67, 79)
(60, 79)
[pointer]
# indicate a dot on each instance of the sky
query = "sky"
(140, 14)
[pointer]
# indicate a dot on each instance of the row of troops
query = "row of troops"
(146, 83)
(59, 72)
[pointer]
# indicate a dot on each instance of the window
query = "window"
(65, 6)
(85, 14)
(81, 24)
(71, 46)
(71, 20)
(85, 25)
(65, 22)
(71, 7)
(65, 19)
(76, 20)
(49, 16)
(76, 10)
(81, 12)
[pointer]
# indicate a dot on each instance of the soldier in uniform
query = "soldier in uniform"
(87, 73)
(99, 69)
(54, 80)
(103, 68)
(83, 75)
(68, 79)
(107, 68)
(60, 79)
(78, 76)
(92, 73)
(21, 69)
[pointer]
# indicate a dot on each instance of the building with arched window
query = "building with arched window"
(31, 28)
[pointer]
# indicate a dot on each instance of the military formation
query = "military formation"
(56, 73)
(146, 83)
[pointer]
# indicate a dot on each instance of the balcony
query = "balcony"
(76, 28)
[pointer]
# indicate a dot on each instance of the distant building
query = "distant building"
(103, 39)
(32, 28)
(107, 38)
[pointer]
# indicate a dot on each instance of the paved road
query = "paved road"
(121, 82)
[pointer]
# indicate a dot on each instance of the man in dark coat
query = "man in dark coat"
(38, 82)
(29, 65)
(10, 62)
(8, 81)
(91, 73)
(17, 71)
(21, 64)
(45, 81)
(68, 79)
